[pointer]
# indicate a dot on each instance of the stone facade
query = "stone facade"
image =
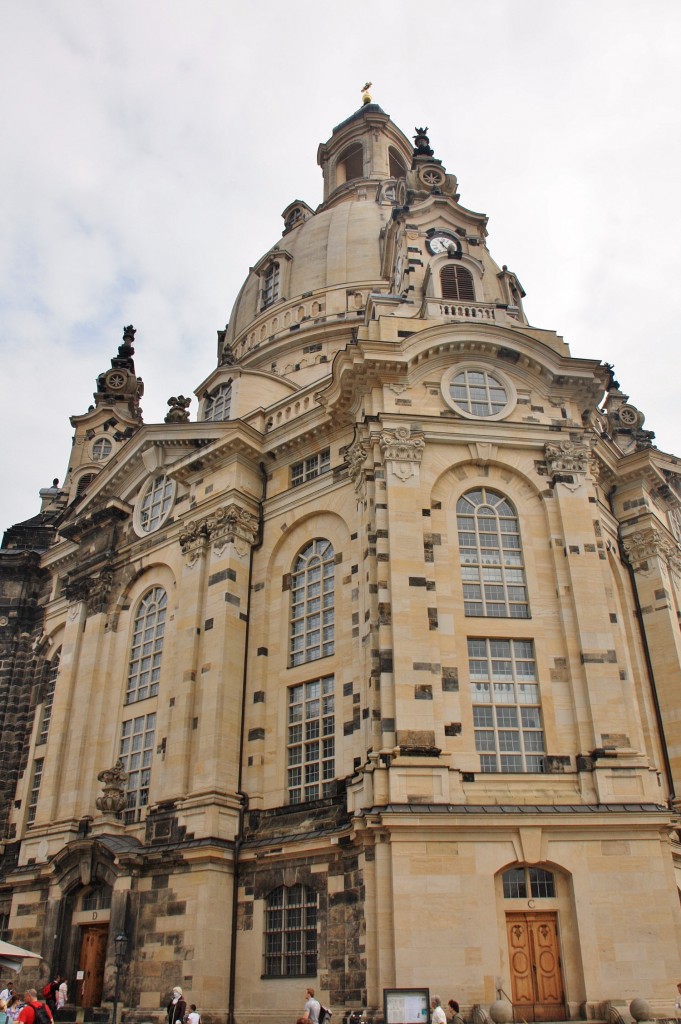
(368, 677)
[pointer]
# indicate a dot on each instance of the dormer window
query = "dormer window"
(219, 403)
(270, 285)
(457, 283)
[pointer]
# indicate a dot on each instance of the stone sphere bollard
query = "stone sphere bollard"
(640, 1009)
(501, 1012)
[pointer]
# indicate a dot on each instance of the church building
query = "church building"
(367, 675)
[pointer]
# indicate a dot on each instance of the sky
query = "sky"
(149, 149)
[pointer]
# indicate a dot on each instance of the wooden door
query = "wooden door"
(536, 975)
(93, 945)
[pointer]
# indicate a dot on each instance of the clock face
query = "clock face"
(441, 242)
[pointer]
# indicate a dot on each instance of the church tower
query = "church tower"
(367, 679)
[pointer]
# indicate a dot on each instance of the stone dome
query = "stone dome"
(328, 261)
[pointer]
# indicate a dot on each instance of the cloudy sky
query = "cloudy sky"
(148, 150)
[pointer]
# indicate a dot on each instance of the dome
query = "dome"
(328, 261)
(333, 250)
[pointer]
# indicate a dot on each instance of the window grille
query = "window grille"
(478, 393)
(312, 603)
(219, 403)
(520, 881)
(48, 697)
(101, 449)
(156, 503)
(310, 468)
(270, 285)
(136, 750)
(506, 705)
(148, 631)
(491, 555)
(291, 932)
(35, 789)
(311, 740)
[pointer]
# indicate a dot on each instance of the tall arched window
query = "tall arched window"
(492, 567)
(350, 164)
(147, 646)
(312, 603)
(48, 697)
(219, 403)
(457, 283)
(291, 932)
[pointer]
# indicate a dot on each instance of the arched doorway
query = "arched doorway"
(91, 912)
(536, 902)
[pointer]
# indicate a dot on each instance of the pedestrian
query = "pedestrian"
(311, 1008)
(7, 992)
(4, 1016)
(438, 1015)
(33, 1011)
(455, 1017)
(50, 993)
(14, 1007)
(193, 1017)
(62, 995)
(677, 1004)
(177, 1007)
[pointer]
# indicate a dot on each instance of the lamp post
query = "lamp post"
(120, 946)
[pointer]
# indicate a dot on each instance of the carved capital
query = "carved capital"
(230, 524)
(566, 458)
(403, 450)
(650, 543)
(93, 590)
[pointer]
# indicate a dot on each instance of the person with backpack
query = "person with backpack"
(33, 1011)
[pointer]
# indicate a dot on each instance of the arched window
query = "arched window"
(396, 166)
(156, 503)
(83, 484)
(48, 697)
(291, 932)
(147, 646)
(270, 285)
(523, 883)
(457, 283)
(490, 550)
(218, 404)
(312, 603)
(350, 164)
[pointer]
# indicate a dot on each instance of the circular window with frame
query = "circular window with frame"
(101, 449)
(154, 504)
(476, 392)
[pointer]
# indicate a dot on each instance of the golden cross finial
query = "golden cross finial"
(366, 98)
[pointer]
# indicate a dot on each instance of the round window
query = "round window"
(154, 504)
(101, 449)
(476, 392)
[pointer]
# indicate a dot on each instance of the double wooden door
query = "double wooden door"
(536, 975)
(93, 945)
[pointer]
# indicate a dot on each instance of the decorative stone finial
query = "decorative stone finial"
(178, 410)
(114, 798)
(366, 98)
(422, 143)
